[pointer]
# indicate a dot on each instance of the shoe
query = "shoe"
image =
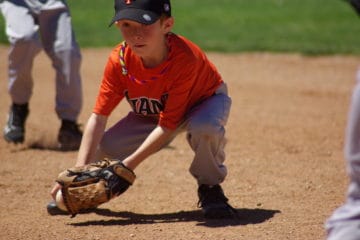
(69, 136)
(213, 202)
(14, 130)
(52, 209)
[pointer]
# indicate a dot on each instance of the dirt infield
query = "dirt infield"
(284, 154)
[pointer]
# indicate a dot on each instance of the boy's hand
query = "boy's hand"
(88, 186)
(57, 187)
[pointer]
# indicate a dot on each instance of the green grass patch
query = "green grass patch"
(306, 26)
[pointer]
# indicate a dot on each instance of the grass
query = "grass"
(306, 26)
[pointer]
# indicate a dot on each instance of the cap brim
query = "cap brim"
(137, 15)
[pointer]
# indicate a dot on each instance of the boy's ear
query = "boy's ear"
(168, 24)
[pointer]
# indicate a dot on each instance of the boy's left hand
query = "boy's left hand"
(89, 186)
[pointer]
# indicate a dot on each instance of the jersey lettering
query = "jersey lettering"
(147, 106)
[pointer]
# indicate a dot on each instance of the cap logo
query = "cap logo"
(128, 2)
(146, 17)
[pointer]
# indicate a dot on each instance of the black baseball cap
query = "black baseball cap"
(142, 11)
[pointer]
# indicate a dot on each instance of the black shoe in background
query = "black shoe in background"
(14, 130)
(69, 136)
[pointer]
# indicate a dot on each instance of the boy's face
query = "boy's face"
(143, 39)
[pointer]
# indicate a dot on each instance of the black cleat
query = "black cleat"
(69, 136)
(53, 210)
(14, 131)
(213, 202)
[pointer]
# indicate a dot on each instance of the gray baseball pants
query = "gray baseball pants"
(30, 26)
(205, 128)
(345, 221)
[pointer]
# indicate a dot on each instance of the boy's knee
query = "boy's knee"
(205, 129)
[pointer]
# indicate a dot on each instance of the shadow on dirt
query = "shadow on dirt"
(43, 145)
(245, 217)
(36, 145)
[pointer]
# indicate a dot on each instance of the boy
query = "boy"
(171, 87)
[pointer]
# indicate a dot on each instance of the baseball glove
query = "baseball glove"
(355, 4)
(91, 185)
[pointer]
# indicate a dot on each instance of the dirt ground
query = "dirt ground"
(284, 156)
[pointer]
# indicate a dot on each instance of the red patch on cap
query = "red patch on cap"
(128, 2)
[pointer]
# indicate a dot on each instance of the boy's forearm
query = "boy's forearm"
(92, 135)
(153, 143)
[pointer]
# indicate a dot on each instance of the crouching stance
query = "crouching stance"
(171, 87)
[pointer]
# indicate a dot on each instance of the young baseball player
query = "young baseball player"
(30, 26)
(171, 87)
(345, 221)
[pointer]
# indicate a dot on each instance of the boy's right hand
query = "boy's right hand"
(54, 190)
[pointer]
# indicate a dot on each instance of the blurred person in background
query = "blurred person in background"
(344, 224)
(32, 25)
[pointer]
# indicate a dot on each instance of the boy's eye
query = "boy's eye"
(125, 24)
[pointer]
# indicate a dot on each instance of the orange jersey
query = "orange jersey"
(168, 91)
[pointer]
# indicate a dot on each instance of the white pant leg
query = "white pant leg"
(206, 136)
(345, 230)
(22, 33)
(345, 221)
(59, 43)
(39, 5)
(54, 22)
(352, 141)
